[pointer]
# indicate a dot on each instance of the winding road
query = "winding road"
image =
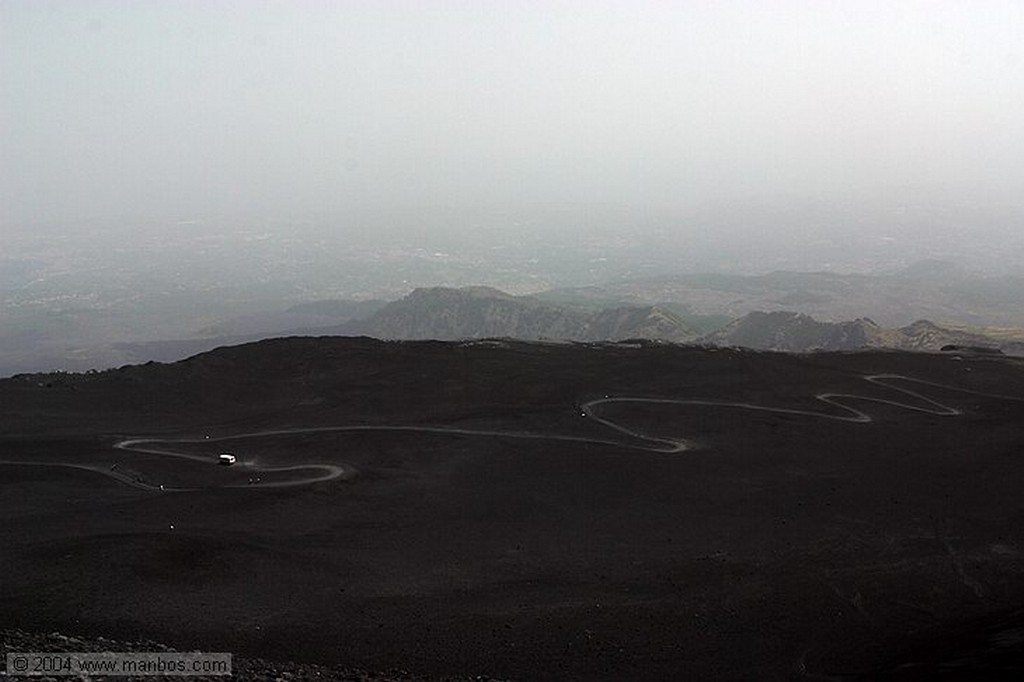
(643, 442)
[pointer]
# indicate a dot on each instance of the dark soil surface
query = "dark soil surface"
(783, 543)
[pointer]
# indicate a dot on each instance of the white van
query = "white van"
(226, 459)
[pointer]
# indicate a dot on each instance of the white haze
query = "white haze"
(183, 109)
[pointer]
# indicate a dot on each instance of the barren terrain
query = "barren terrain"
(527, 510)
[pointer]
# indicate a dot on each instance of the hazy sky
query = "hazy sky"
(181, 108)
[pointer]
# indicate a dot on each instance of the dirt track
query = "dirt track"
(639, 441)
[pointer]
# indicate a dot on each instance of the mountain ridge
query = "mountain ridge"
(798, 332)
(447, 314)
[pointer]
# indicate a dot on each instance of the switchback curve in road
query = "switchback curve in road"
(330, 471)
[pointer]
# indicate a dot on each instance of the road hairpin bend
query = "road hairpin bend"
(843, 411)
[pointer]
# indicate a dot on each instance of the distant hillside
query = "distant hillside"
(797, 332)
(481, 312)
(932, 290)
(967, 309)
(928, 336)
(432, 313)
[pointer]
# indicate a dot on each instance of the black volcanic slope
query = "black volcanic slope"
(527, 511)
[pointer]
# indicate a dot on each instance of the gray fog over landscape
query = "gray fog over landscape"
(169, 170)
(114, 109)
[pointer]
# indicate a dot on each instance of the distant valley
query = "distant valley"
(924, 307)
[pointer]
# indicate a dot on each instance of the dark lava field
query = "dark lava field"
(528, 510)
